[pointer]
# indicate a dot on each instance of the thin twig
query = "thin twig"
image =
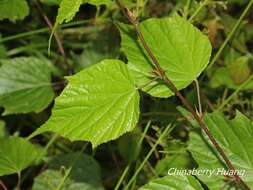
(208, 102)
(3, 185)
(151, 144)
(186, 9)
(160, 72)
(56, 35)
(151, 168)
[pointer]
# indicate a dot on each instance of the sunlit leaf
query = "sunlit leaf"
(69, 8)
(180, 48)
(99, 104)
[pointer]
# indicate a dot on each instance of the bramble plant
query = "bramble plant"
(124, 111)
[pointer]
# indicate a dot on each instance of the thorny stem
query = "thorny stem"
(56, 35)
(161, 73)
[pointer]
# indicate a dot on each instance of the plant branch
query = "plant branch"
(3, 185)
(161, 73)
(56, 35)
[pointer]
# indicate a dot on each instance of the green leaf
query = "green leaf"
(84, 174)
(239, 41)
(51, 2)
(173, 183)
(239, 70)
(98, 2)
(3, 132)
(179, 161)
(104, 46)
(186, 114)
(235, 72)
(25, 85)
(92, 2)
(68, 10)
(99, 104)
(176, 157)
(180, 48)
(16, 155)
(13, 9)
(3, 50)
(235, 137)
(222, 77)
(128, 146)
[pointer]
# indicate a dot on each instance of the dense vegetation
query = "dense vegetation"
(101, 94)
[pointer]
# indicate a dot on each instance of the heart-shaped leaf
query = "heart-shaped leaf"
(99, 104)
(180, 48)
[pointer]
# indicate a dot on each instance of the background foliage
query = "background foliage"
(75, 116)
